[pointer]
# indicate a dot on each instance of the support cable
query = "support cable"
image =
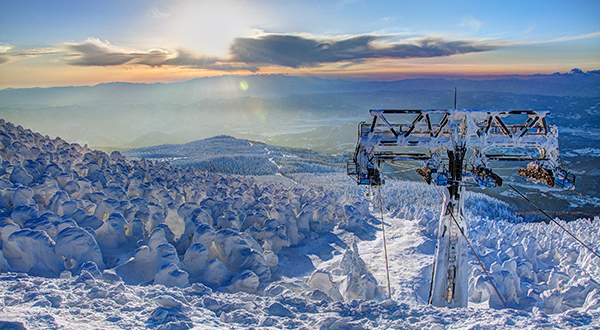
(387, 269)
(556, 222)
(578, 193)
(473, 250)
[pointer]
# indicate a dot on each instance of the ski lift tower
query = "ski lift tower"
(455, 147)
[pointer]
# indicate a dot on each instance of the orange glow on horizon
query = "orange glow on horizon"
(35, 73)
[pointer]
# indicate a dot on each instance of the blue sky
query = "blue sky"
(55, 43)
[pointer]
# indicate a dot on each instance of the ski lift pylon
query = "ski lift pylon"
(442, 139)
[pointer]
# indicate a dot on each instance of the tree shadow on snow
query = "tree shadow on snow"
(295, 261)
(368, 232)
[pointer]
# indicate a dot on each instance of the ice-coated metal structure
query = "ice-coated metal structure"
(455, 147)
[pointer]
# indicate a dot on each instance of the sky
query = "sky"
(70, 43)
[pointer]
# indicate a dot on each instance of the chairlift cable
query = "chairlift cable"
(405, 165)
(556, 222)
(589, 200)
(397, 165)
(402, 171)
(387, 269)
(473, 250)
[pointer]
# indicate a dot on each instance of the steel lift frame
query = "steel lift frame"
(455, 147)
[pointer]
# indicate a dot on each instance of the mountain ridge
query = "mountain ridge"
(269, 86)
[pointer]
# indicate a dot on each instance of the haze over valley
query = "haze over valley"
(305, 112)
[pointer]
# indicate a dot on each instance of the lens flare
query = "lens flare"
(258, 109)
(244, 85)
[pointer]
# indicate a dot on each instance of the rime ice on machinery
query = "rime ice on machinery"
(443, 140)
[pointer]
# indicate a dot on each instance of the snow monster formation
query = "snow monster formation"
(66, 208)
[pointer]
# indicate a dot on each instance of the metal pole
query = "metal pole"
(454, 97)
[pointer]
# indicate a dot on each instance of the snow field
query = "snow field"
(83, 302)
(65, 205)
(231, 156)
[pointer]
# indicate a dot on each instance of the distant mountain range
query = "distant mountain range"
(575, 83)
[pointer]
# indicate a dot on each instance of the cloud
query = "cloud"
(189, 59)
(294, 51)
(4, 47)
(226, 66)
(7, 53)
(471, 23)
(560, 39)
(153, 58)
(432, 48)
(582, 36)
(250, 54)
(93, 52)
(156, 13)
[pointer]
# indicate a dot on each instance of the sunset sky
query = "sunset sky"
(61, 43)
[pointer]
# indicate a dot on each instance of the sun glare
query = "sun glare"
(209, 26)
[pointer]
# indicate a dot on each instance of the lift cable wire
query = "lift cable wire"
(556, 222)
(387, 269)
(589, 200)
(403, 170)
(473, 250)
(397, 164)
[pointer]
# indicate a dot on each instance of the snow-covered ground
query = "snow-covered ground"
(91, 240)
